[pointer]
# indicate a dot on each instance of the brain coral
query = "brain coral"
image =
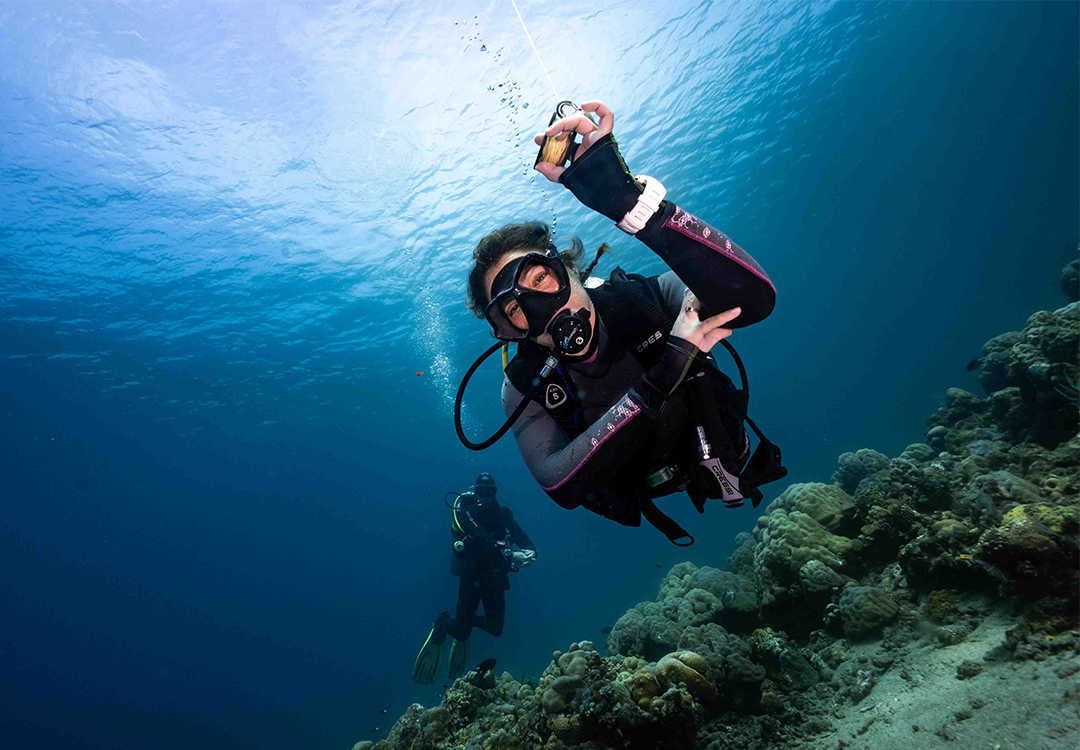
(827, 504)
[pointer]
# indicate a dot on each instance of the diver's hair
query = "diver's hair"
(592, 264)
(529, 235)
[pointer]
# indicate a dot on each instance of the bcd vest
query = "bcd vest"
(632, 309)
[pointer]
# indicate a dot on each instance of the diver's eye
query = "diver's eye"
(541, 279)
(512, 309)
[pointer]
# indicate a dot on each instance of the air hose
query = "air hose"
(461, 393)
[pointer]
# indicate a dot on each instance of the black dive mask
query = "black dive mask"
(484, 486)
(534, 287)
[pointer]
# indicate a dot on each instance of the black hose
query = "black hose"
(742, 370)
(457, 407)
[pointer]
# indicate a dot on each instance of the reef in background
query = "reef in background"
(931, 597)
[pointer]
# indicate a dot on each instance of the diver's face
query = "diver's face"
(539, 279)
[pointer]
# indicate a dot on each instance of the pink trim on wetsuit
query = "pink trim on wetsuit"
(627, 410)
(690, 226)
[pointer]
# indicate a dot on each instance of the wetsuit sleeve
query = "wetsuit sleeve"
(579, 471)
(719, 272)
(672, 291)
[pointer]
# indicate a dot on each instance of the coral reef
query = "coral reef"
(852, 468)
(1070, 280)
(966, 543)
(1031, 379)
(864, 610)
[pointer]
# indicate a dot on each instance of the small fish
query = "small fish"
(373, 730)
(659, 565)
(963, 556)
(974, 364)
(485, 666)
(606, 629)
(385, 710)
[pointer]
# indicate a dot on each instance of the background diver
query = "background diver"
(612, 395)
(487, 544)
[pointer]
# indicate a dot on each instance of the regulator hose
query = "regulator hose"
(461, 393)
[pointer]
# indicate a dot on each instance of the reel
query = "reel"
(554, 151)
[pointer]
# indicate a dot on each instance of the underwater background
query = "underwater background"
(233, 242)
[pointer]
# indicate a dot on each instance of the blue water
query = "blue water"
(232, 235)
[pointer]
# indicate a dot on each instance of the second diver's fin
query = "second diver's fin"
(427, 661)
(459, 655)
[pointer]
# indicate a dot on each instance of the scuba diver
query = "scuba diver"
(488, 544)
(612, 394)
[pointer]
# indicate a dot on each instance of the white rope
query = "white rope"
(535, 51)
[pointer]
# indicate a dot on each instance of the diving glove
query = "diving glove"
(600, 179)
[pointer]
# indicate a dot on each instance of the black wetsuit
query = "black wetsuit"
(621, 411)
(483, 568)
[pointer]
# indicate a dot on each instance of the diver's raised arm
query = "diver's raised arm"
(718, 271)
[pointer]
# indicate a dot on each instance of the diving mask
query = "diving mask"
(526, 294)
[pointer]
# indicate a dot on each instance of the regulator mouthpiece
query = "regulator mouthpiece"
(571, 332)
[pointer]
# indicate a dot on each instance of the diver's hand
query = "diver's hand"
(522, 558)
(576, 123)
(704, 334)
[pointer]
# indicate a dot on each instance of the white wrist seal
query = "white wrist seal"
(648, 203)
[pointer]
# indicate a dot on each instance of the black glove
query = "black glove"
(599, 178)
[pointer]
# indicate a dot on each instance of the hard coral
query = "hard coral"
(827, 504)
(1040, 363)
(940, 606)
(852, 468)
(730, 663)
(865, 610)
